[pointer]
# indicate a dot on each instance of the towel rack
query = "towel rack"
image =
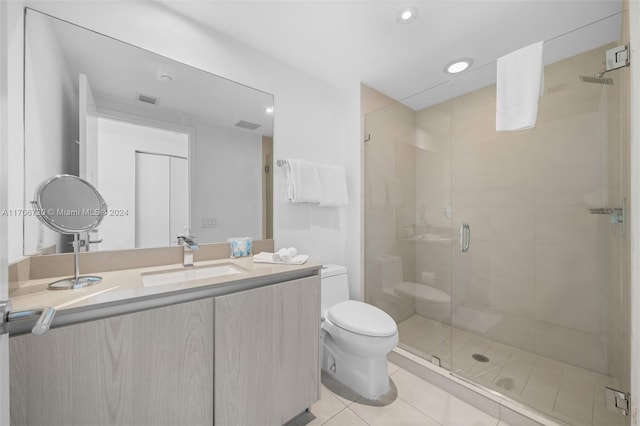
(281, 163)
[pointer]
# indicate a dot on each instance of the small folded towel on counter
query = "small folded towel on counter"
(333, 184)
(303, 181)
(518, 88)
(267, 257)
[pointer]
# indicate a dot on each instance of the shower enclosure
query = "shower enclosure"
(535, 307)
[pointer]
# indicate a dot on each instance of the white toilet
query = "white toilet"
(356, 337)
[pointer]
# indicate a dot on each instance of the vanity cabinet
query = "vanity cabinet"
(156, 367)
(267, 353)
(147, 368)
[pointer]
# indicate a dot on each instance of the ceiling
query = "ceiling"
(349, 41)
(118, 72)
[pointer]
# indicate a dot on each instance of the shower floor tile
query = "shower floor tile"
(568, 393)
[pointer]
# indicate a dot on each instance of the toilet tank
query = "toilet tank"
(334, 285)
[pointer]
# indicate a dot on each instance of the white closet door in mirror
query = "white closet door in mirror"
(179, 197)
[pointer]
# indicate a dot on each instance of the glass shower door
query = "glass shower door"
(538, 311)
(407, 221)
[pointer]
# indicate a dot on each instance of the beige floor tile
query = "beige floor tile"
(391, 367)
(346, 417)
(327, 407)
(602, 416)
(574, 407)
(421, 394)
(561, 390)
(438, 404)
(578, 381)
(342, 393)
(513, 378)
(462, 414)
(541, 397)
(394, 413)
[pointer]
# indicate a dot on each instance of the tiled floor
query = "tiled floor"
(411, 401)
(568, 393)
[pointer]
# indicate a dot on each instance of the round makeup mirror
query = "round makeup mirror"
(70, 205)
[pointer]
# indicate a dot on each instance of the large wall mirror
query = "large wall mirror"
(171, 148)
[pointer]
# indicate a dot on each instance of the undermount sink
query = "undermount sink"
(175, 276)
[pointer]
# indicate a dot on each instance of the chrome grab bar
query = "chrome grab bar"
(465, 237)
(45, 317)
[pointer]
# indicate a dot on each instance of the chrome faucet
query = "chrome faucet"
(188, 246)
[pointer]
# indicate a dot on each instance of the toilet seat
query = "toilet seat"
(362, 318)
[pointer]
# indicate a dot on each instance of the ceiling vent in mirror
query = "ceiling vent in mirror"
(147, 99)
(247, 125)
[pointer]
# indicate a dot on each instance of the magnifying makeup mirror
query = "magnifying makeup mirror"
(70, 205)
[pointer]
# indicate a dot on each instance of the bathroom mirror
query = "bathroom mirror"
(70, 205)
(172, 147)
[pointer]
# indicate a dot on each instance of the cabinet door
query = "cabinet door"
(147, 368)
(267, 353)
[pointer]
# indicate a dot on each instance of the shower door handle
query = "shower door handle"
(465, 236)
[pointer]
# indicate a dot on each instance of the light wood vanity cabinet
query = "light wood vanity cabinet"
(156, 367)
(267, 353)
(147, 368)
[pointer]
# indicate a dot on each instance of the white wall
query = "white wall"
(52, 124)
(15, 114)
(312, 120)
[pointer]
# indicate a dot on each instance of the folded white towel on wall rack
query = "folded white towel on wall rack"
(303, 181)
(333, 184)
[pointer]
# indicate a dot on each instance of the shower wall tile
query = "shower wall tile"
(568, 264)
(513, 224)
(478, 217)
(581, 349)
(575, 305)
(512, 189)
(568, 225)
(471, 288)
(510, 152)
(475, 260)
(515, 260)
(557, 143)
(572, 185)
(514, 330)
(512, 295)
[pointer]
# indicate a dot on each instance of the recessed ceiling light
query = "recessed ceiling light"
(268, 110)
(458, 65)
(408, 14)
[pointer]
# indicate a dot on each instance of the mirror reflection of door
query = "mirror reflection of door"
(88, 146)
(267, 187)
(162, 199)
(126, 149)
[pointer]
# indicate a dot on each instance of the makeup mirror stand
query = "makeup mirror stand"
(76, 281)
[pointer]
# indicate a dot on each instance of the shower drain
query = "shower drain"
(480, 358)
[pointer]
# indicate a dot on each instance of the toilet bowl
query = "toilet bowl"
(356, 337)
